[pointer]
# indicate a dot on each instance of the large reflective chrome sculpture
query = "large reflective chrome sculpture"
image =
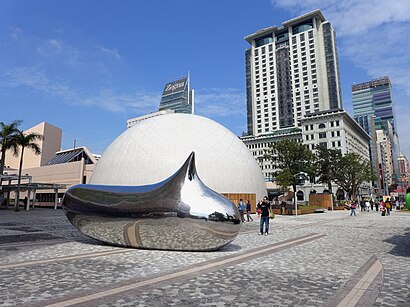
(179, 213)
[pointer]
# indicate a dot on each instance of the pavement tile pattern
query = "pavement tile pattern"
(309, 274)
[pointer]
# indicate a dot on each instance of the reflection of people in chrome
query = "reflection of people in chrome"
(264, 206)
(248, 211)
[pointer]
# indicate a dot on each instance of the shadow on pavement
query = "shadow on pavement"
(402, 244)
(229, 248)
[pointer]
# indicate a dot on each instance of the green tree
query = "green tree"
(350, 172)
(24, 141)
(8, 140)
(290, 157)
(326, 159)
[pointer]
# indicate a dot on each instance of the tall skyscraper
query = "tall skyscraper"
(178, 96)
(373, 100)
(291, 71)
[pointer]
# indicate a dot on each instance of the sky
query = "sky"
(88, 66)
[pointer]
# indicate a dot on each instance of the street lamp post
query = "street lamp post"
(300, 175)
(295, 203)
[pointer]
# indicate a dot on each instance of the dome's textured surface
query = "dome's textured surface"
(155, 148)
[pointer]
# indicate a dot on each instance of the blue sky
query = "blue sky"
(88, 66)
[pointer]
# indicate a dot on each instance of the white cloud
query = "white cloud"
(353, 16)
(226, 105)
(56, 43)
(111, 52)
(403, 124)
(16, 33)
(136, 102)
(220, 102)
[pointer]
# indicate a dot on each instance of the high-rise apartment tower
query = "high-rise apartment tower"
(291, 71)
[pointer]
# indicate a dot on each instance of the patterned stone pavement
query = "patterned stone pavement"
(318, 272)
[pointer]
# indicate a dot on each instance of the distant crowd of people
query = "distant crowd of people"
(366, 205)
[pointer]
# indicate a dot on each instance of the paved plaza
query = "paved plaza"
(324, 259)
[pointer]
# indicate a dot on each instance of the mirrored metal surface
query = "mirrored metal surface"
(179, 213)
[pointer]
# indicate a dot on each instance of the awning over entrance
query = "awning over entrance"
(33, 187)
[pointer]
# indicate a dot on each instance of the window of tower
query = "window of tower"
(264, 41)
(301, 27)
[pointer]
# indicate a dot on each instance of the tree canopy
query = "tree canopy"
(26, 140)
(326, 165)
(8, 140)
(326, 159)
(290, 157)
(351, 172)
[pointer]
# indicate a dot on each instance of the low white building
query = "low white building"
(334, 129)
(132, 121)
(258, 145)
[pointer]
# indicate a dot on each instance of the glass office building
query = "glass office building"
(177, 96)
(373, 100)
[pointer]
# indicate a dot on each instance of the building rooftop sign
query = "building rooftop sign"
(371, 84)
(175, 86)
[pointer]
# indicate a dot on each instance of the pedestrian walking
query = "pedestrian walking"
(388, 206)
(241, 208)
(367, 203)
(265, 211)
(371, 204)
(353, 209)
(248, 211)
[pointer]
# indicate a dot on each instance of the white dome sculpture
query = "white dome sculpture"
(155, 148)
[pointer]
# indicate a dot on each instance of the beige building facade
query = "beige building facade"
(52, 167)
(50, 144)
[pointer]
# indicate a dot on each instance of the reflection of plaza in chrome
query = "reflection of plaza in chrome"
(179, 213)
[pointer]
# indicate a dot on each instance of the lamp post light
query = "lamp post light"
(300, 175)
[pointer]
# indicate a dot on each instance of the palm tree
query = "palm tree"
(26, 141)
(8, 140)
